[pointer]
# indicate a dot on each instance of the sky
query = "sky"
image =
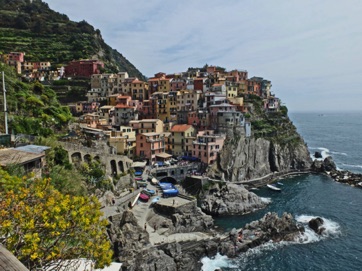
(311, 50)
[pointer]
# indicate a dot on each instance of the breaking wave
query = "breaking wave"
(219, 261)
(266, 200)
(332, 230)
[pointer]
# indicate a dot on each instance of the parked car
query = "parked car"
(149, 191)
(141, 184)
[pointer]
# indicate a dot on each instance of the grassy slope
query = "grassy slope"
(46, 35)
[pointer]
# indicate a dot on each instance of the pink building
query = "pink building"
(16, 56)
(199, 119)
(148, 145)
(207, 145)
(178, 84)
(84, 68)
(236, 75)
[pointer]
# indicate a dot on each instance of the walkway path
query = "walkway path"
(142, 210)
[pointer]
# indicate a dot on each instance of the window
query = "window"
(141, 145)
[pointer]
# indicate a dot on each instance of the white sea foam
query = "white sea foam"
(219, 261)
(332, 229)
(339, 153)
(324, 152)
(266, 200)
(353, 166)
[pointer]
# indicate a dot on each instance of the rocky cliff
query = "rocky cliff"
(245, 158)
(230, 199)
(185, 218)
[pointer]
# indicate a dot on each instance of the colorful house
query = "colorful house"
(207, 145)
(147, 126)
(148, 145)
(182, 137)
(124, 141)
(84, 68)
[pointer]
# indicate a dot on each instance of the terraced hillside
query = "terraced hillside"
(46, 35)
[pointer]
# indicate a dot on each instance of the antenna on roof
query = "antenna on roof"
(5, 107)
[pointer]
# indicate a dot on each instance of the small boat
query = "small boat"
(279, 183)
(135, 200)
(155, 199)
(273, 187)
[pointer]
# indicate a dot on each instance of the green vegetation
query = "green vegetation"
(274, 126)
(46, 35)
(33, 108)
(41, 226)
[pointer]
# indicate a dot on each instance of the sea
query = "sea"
(307, 196)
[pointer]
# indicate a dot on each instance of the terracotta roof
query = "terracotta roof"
(180, 127)
(123, 106)
(137, 81)
(154, 79)
(123, 97)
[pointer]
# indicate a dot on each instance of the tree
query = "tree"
(44, 228)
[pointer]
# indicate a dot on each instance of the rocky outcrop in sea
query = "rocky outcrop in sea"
(187, 255)
(230, 199)
(328, 167)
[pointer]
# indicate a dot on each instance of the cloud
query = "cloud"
(306, 48)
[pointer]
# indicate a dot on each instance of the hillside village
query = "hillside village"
(166, 128)
(182, 114)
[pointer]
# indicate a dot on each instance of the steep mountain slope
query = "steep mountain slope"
(46, 35)
(275, 146)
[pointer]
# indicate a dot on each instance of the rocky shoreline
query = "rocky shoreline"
(328, 167)
(136, 253)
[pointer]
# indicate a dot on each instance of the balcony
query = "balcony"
(149, 140)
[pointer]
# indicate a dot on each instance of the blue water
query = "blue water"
(338, 135)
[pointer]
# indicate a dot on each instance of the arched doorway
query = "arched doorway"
(114, 167)
(168, 179)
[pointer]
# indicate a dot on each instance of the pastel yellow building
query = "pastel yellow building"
(160, 100)
(147, 126)
(231, 89)
(124, 140)
(187, 100)
(183, 136)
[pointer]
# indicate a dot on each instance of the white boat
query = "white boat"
(273, 187)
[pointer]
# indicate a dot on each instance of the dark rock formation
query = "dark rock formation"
(244, 158)
(270, 227)
(329, 167)
(180, 219)
(230, 199)
(187, 255)
(317, 154)
(316, 225)
(152, 260)
(329, 164)
(126, 236)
